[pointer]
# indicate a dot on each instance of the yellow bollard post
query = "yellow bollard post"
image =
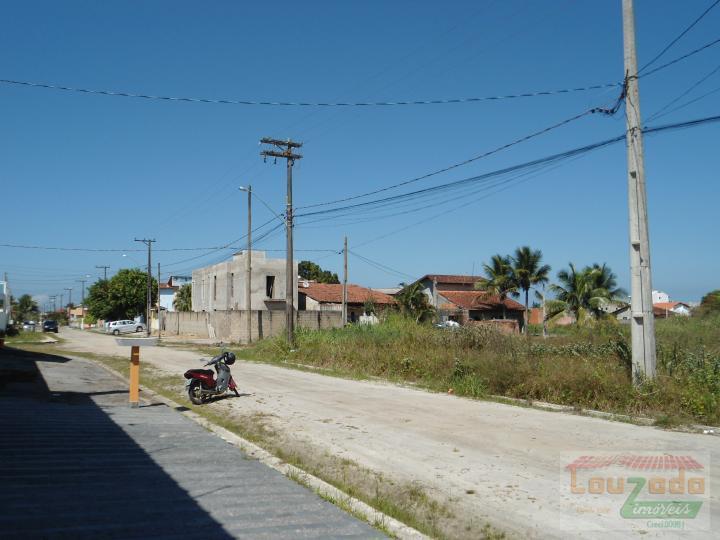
(135, 376)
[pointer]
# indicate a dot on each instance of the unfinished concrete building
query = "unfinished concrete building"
(221, 287)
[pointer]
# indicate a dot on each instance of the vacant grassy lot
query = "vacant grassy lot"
(582, 367)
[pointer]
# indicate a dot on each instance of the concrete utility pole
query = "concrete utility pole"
(105, 269)
(69, 290)
(148, 306)
(642, 322)
(62, 295)
(286, 151)
(248, 264)
(345, 280)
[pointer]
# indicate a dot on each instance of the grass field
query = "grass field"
(582, 367)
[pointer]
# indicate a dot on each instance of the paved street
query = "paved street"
(77, 462)
(492, 461)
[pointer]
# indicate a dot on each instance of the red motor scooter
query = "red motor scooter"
(201, 384)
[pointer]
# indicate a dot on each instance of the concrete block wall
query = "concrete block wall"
(232, 325)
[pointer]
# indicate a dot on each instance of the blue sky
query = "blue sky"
(93, 171)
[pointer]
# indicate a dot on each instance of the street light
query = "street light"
(249, 191)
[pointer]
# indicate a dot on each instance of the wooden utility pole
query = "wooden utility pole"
(105, 269)
(642, 322)
(285, 150)
(148, 306)
(248, 264)
(345, 281)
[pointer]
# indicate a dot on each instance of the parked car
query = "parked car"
(50, 326)
(29, 325)
(124, 327)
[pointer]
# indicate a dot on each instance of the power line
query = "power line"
(459, 164)
(679, 37)
(678, 59)
(683, 105)
(658, 113)
(309, 104)
(547, 159)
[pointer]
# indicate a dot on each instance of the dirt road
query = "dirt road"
(499, 462)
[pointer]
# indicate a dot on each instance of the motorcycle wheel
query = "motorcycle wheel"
(195, 393)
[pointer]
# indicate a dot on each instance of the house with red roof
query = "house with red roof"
(457, 298)
(313, 296)
(663, 310)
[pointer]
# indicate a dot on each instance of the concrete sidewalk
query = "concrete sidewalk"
(77, 462)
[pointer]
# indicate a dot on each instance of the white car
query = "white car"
(124, 327)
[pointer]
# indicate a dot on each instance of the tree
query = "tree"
(24, 309)
(97, 300)
(528, 271)
(414, 303)
(183, 298)
(312, 271)
(500, 279)
(710, 303)
(122, 297)
(582, 292)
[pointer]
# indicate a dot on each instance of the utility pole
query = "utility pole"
(148, 306)
(159, 311)
(642, 322)
(61, 300)
(82, 304)
(105, 269)
(345, 280)
(248, 264)
(69, 290)
(285, 150)
(54, 304)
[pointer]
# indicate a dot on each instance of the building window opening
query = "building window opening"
(214, 287)
(232, 285)
(269, 286)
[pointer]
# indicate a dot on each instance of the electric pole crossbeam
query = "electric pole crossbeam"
(285, 152)
(105, 269)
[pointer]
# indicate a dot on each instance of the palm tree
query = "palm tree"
(583, 291)
(500, 279)
(528, 272)
(414, 302)
(183, 298)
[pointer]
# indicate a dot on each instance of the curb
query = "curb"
(339, 498)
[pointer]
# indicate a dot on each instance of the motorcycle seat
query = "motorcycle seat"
(205, 371)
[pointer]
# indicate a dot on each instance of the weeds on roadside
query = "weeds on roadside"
(583, 367)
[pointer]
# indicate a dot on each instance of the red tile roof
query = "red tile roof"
(479, 300)
(450, 278)
(332, 293)
(669, 305)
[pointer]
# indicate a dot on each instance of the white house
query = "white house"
(168, 291)
(659, 297)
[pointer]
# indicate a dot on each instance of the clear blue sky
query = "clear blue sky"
(95, 171)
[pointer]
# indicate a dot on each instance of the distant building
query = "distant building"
(314, 296)
(659, 297)
(168, 291)
(221, 287)
(667, 309)
(457, 298)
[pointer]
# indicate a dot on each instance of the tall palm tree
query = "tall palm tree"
(183, 298)
(528, 272)
(500, 279)
(583, 291)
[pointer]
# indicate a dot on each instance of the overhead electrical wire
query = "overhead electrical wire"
(310, 104)
(518, 167)
(679, 37)
(461, 163)
(680, 58)
(659, 112)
